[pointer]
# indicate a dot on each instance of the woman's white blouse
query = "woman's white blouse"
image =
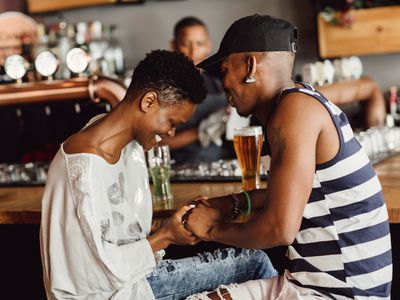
(96, 217)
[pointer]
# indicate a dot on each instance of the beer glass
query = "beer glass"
(248, 142)
(160, 169)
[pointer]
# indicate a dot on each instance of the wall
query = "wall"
(148, 26)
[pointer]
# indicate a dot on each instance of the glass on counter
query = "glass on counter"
(23, 174)
(248, 142)
(160, 171)
(379, 143)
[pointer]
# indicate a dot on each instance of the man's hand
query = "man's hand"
(199, 199)
(201, 220)
(176, 232)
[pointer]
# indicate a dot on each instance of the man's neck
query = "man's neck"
(268, 102)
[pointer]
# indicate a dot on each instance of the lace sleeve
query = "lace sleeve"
(123, 264)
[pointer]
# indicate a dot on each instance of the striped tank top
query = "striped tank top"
(343, 247)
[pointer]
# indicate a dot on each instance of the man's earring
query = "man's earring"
(250, 79)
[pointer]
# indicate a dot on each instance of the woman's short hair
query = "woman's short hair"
(171, 75)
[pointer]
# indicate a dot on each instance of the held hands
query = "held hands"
(192, 222)
(201, 219)
(175, 230)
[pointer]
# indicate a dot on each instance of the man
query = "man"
(323, 200)
(192, 144)
(96, 209)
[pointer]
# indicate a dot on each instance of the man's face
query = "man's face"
(161, 121)
(240, 95)
(194, 42)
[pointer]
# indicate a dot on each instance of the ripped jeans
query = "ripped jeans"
(177, 279)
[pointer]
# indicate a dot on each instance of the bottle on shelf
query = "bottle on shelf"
(42, 40)
(27, 54)
(64, 44)
(97, 48)
(117, 52)
(393, 117)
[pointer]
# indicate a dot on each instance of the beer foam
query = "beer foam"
(248, 131)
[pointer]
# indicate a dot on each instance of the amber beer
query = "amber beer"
(248, 142)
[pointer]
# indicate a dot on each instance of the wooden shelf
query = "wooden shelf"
(375, 31)
(41, 6)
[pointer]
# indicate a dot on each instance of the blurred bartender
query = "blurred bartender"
(200, 139)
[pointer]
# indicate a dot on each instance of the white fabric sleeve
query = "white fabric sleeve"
(124, 264)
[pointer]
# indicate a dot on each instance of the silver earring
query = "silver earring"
(250, 79)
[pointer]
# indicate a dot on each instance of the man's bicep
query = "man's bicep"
(291, 177)
(293, 138)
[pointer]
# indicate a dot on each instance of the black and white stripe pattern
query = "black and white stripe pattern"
(343, 248)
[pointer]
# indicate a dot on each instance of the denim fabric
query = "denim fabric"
(177, 279)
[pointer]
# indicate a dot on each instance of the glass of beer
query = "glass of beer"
(160, 169)
(248, 142)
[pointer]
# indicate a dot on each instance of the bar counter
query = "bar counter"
(22, 205)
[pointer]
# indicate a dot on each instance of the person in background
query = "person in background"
(364, 90)
(200, 139)
(323, 201)
(96, 209)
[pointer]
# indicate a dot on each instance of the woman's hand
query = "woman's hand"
(176, 232)
(173, 233)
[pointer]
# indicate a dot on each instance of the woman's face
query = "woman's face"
(161, 121)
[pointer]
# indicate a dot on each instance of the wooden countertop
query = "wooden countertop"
(389, 174)
(22, 205)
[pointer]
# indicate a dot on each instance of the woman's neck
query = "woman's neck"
(112, 133)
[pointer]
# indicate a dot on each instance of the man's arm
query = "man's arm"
(182, 138)
(293, 136)
(225, 203)
(365, 90)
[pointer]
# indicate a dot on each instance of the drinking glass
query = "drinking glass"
(160, 169)
(248, 142)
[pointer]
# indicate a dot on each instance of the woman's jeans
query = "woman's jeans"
(177, 279)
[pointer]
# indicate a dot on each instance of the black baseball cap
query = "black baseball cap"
(256, 33)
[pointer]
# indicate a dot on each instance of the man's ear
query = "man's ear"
(172, 45)
(149, 101)
(251, 66)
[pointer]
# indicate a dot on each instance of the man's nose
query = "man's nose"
(192, 52)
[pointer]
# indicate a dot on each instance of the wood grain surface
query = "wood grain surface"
(22, 205)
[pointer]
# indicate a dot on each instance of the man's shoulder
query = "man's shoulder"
(298, 109)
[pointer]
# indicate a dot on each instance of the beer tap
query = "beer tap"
(77, 108)
(47, 110)
(46, 64)
(15, 67)
(77, 61)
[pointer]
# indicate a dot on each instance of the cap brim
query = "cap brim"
(213, 63)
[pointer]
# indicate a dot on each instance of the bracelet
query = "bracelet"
(236, 206)
(248, 211)
(158, 256)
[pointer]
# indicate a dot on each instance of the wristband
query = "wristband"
(236, 206)
(248, 211)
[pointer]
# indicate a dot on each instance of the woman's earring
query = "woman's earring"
(250, 79)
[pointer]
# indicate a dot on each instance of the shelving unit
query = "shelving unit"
(375, 31)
